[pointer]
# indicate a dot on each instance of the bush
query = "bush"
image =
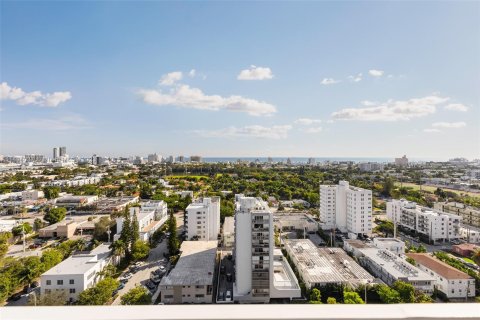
(137, 296)
(100, 294)
(140, 250)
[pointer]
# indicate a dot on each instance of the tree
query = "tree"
(118, 248)
(101, 228)
(173, 243)
(50, 258)
(18, 230)
(388, 295)
(53, 298)
(387, 187)
(405, 290)
(352, 297)
(55, 215)
(331, 300)
(140, 250)
(51, 192)
(38, 224)
(137, 296)
(134, 233)
(32, 268)
(3, 250)
(411, 261)
(146, 191)
(315, 296)
(99, 294)
(126, 234)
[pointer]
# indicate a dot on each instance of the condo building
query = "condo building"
(203, 219)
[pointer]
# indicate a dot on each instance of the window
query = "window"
(72, 281)
(168, 296)
(59, 282)
(199, 295)
(49, 282)
(72, 290)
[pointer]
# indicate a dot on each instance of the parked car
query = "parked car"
(151, 285)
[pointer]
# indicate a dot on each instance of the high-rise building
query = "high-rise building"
(195, 159)
(34, 158)
(153, 158)
(63, 151)
(55, 153)
(401, 162)
(346, 208)
(203, 219)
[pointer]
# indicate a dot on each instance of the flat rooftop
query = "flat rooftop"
(195, 266)
(357, 244)
(438, 266)
(80, 263)
(292, 217)
(325, 265)
(389, 240)
(56, 225)
(395, 266)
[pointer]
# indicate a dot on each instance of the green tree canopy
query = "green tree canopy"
(331, 300)
(17, 230)
(140, 250)
(388, 295)
(137, 296)
(55, 215)
(405, 290)
(173, 243)
(99, 294)
(315, 296)
(51, 192)
(352, 297)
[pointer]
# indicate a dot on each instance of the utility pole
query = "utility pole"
(23, 234)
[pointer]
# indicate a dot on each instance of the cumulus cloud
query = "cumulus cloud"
(450, 125)
(171, 78)
(375, 73)
(307, 121)
(356, 78)
(431, 130)
(456, 107)
(392, 110)
(65, 122)
(254, 131)
(329, 81)
(255, 73)
(184, 96)
(34, 98)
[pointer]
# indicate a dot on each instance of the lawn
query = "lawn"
(432, 189)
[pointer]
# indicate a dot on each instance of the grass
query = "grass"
(432, 189)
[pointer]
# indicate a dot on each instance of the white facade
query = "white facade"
(470, 234)
(395, 245)
(434, 224)
(76, 273)
(229, 231)
(470, 215)
(346, 208)
(32, 195)
(371, 166)
(203, 219)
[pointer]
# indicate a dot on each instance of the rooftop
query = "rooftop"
(357, 244)
(292, 216)
(466, 246)
(195, 266)
(56, 225)
(438, 266)
(324, 265)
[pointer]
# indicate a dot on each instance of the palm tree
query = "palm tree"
(81, 245)
(118, 248)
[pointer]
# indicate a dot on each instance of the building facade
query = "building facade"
(203, 219)
(470, 215)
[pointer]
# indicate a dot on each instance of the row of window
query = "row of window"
(60, 282)
(72, 290)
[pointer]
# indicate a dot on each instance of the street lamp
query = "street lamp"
(367, 282)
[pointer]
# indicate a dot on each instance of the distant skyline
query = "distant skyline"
(231, 79)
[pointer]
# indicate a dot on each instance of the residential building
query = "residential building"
(390, 267)
(154, 158)
(203, 219)
(32, 195)
(436, 225)
(454, 283)
(347, 208)
(401, 162)
(371, 166)
(353, 246)
(228, 231)
(114, 204)
(470, 215)
(55, 153)
(470, 234)
(62, 151)
(311, 161)
(322, 266)
(36, 158)
(76, 273)
(395, 245)
(261, 273)
(191, 281)
(196, 159)
(465, 249)
(295, 221)
(62, 229)
(73, 202)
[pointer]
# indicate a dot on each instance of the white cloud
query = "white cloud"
(307, 121)
(186, 97)
(392, 110)
(329, 81)
(313, 130)
(192, 73)
(375, 73)
(431, 130)
(356, 78)
(453, 125)
(255, 73)
(35, 97)
(169, 79)
(254, 131)
(456, 107)
(66, 122)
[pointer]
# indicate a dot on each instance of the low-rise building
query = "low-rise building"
(32, 195)
(353, 246)
(454, 283)
(76, 273)
(390, 267)
(229, 231)
(62, 229)
(395, 245)
(73, 202)
(465, 249)
(114, 204)
(321, 266)
(191, 281)
(295, 221)
(470, 234)
(470, 215)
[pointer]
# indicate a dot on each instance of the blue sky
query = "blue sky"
(352, 79)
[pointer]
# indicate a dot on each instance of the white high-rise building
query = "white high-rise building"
(261, 272)
(346, 208)
(436, 225)
(203, 219)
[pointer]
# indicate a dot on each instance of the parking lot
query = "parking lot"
(225, 277)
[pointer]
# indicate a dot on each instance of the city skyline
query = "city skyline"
(309, 79)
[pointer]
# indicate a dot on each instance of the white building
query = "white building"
(371, 166)
(32, 195)
(346, 208)
(191, 281)
(76, 273)
(203, 219)
(470, 234)
(390, 267)
(260, 273)
(454, 283)
(295, 221)
(229, 231)
(434, 224)
(154, 158)
(151, 215)
(401, 162)
(470, 215)
(395, 245)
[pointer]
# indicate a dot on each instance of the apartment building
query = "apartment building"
(346, 208)
(436, 225)
(454, 283)
(260, 273)
(371, 166)
(228, 232)
(390, 267)
(203, 219)
(32, 195)
(401, 162)
(191, 281)
(470, 215)
(76, 273)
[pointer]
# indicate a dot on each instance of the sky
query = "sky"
(218, 79)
